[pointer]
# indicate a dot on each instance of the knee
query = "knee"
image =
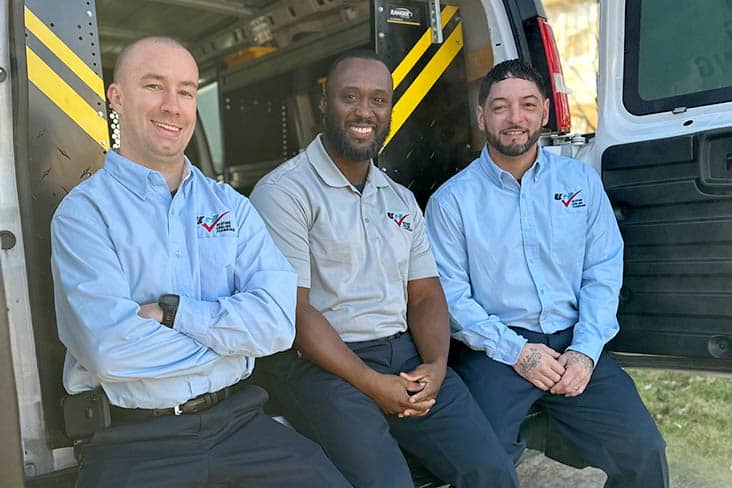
(647, 440)
(319, 470)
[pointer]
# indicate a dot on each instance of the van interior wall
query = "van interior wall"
(57, 150)
(269, 86)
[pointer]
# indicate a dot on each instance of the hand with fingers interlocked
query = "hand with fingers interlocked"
(577, 373)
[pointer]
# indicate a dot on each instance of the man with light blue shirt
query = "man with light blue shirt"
(167, 285)
(531, 260)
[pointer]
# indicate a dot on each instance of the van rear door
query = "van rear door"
(664, 147)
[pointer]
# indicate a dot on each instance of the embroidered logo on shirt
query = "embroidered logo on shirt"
(400, 220)
(215, 222)
(570, 198)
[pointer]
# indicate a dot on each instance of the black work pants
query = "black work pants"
(608, 423)
(454, 440)
(232, 444)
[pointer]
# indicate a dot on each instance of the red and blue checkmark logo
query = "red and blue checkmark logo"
(566, 198)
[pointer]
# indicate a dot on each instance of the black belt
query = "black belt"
(194, 405)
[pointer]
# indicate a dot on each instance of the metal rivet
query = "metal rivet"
(3, 74)
(7, 240)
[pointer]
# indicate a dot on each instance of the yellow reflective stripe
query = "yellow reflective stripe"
(425, 80)
(64, 53)
(70, 102)
(419, 48)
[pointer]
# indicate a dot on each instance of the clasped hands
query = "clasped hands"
(565, 374)
(409, 394)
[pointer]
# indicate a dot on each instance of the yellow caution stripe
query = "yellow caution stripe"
(425, 80)
(64, 53)
(420, 47)
(70, 102)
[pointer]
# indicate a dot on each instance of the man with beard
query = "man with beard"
(368, 374)
(531, 260)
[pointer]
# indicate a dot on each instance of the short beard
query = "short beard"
(338, 140)
(513, 149)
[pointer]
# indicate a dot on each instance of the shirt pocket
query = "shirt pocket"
(217, 263)
(569, 228)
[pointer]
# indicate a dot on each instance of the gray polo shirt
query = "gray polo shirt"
(356, 252)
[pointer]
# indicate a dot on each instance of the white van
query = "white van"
(663, 146)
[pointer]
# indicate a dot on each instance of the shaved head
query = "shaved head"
(154, 95)
(121, 62)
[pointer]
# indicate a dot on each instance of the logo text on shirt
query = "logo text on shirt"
(570, 198)
(215, 222)
(400, 220)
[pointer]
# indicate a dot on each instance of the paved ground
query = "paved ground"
(538, 471)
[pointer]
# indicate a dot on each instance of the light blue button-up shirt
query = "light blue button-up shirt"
(544, 255)
(120, 240)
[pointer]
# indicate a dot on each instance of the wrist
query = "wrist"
(369, 381)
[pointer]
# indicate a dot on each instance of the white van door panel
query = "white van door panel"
(664, 149)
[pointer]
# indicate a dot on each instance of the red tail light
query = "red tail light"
(556, 77)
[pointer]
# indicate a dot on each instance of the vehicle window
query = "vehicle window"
(678, 56)
(209, 111)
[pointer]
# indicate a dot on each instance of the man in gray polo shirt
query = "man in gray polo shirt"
(369, 372)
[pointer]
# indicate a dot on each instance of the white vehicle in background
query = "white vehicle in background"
(663, 147)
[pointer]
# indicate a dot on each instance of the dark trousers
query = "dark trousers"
(232, 444)
(608, 423)
(454, 441)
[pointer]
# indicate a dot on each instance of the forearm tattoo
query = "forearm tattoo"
(579, 359)
(529, 362)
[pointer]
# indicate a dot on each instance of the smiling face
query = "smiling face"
(154, 93)
(357, 108)
(512, 117)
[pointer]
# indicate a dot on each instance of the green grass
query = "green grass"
(694, 414)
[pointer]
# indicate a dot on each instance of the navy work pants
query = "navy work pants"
(454, 440)
(232, 444)
(608, 423)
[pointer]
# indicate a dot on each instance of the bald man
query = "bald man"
(167, 287)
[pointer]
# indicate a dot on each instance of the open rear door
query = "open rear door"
(665, 146)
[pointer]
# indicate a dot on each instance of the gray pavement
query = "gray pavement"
(538, 471)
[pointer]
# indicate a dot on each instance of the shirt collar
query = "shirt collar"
(329, 172)
(136, 177)
(500, 176)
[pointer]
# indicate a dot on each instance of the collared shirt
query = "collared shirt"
(544, 255)
(119, 240)
(354, 251)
